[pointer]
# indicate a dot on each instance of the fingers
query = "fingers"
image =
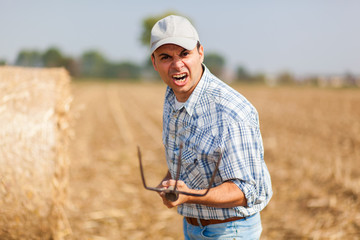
(170, 182)
(166, 202)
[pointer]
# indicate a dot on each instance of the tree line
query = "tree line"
(91, 64)
(94, 64)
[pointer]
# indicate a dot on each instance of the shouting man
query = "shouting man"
(209, 119)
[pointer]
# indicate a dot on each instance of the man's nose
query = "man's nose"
(177, 63)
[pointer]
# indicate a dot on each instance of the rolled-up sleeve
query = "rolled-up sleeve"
(243, 163)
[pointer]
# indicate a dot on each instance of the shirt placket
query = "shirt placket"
(174, 138)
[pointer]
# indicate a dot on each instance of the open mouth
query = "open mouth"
(180, 77)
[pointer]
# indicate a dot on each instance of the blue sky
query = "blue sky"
(303, 37)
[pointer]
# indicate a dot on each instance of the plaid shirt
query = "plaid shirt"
(216, 119)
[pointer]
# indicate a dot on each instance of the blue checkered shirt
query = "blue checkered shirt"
(215, 119)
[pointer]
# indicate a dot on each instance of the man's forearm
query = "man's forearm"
(226, 195)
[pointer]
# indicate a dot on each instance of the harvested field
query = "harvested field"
(312, 148)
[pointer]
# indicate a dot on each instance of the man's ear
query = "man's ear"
(201, 53)
(153, 61)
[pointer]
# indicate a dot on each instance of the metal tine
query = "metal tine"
(210, 183)
(177, 177)
(141, 168)
(142, 174)
(178, 168)
(143, 177)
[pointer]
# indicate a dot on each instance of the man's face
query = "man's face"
(179, 68)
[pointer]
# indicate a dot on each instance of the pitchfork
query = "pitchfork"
(171, 193)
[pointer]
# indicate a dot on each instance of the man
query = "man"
(209, 119)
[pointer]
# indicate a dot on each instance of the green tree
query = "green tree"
(242, 74)
(29, 58)
(147, 71)
(123, 70)
(2, 62)
(93, 64)
(215, 62)
(52, 57)
(129, 70)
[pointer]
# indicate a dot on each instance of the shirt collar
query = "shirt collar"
(199, 90)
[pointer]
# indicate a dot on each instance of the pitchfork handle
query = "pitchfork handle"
(172, 196)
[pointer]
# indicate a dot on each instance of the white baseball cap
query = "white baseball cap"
(173, 30)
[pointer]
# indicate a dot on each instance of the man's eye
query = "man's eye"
(184, 54)
(164, 57)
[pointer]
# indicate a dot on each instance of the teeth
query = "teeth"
(179, 75)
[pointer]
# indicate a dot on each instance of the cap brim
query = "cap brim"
(186, 43)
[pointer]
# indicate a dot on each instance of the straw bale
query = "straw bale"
(34, 137)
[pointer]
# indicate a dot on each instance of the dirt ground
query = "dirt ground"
(312, 149)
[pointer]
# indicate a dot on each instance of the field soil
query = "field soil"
(312, 149)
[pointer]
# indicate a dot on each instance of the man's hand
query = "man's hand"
(181, 186)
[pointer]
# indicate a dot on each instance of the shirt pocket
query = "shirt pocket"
(207, 166)
(190, 172)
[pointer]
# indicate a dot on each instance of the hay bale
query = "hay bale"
(34, 132)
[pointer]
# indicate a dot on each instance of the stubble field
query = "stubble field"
(312, 149)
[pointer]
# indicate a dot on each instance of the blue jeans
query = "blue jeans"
(248, 228)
